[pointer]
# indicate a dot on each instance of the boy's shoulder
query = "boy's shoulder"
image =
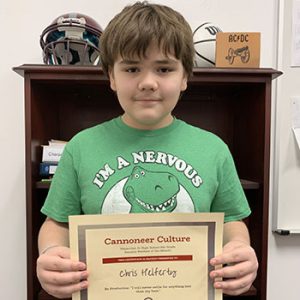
(199, 140)
(91, 133)
(199, 134)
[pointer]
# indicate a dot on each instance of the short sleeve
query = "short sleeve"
(63, 198)
(230, 197)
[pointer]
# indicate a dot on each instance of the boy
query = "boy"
(147, 52)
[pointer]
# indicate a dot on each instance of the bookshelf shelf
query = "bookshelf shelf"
(44, 185)
(235, 104)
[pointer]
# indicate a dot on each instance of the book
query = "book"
(53, 151)
(47, 169)
(54, 142)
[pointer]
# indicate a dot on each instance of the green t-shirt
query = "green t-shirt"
(112, 168)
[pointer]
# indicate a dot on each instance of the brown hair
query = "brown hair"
(131, 32)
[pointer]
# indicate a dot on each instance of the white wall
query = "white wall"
(284, 258)
(22, 23)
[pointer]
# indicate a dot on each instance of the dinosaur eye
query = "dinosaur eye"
(143, 173)
(136, 176)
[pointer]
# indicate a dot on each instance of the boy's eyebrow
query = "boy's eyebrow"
(128, 62)
(166, 61)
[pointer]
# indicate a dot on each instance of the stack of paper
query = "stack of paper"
(53, 151)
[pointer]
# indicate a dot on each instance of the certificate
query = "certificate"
(147, 256)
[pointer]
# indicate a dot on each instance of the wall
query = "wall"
(284, 256)
(286, 210)
(22, 23)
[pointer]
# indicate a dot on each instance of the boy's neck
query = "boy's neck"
(168, 120)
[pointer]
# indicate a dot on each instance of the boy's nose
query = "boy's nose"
(148, 81)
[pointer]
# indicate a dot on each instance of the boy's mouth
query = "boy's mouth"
(147, 98)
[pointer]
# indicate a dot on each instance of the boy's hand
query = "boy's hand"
(239, 270)
(59, 275)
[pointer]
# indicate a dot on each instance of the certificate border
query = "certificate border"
(81, 231)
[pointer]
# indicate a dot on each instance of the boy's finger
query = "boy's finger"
(65, 278)
(56, 263)
(234, 271)
(65, 291)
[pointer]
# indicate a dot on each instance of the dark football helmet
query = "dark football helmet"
(71, 39)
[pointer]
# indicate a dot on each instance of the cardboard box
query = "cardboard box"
(238, 49)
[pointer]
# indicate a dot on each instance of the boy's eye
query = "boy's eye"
(164, 70)
(132, 70)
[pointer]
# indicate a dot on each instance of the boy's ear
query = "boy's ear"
(112, 79)
(184, 83)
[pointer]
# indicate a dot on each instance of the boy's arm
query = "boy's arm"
(236, 231)
(238, 259)
(57, 273)
(53, 234)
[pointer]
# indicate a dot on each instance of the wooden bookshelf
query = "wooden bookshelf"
(235, 104)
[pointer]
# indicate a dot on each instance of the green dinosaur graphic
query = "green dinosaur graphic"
(148, 191)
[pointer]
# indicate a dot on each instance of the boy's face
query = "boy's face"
(148, 88)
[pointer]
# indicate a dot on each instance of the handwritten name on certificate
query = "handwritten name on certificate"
(147, 256)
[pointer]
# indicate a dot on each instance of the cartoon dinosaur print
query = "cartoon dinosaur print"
(148, 191)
